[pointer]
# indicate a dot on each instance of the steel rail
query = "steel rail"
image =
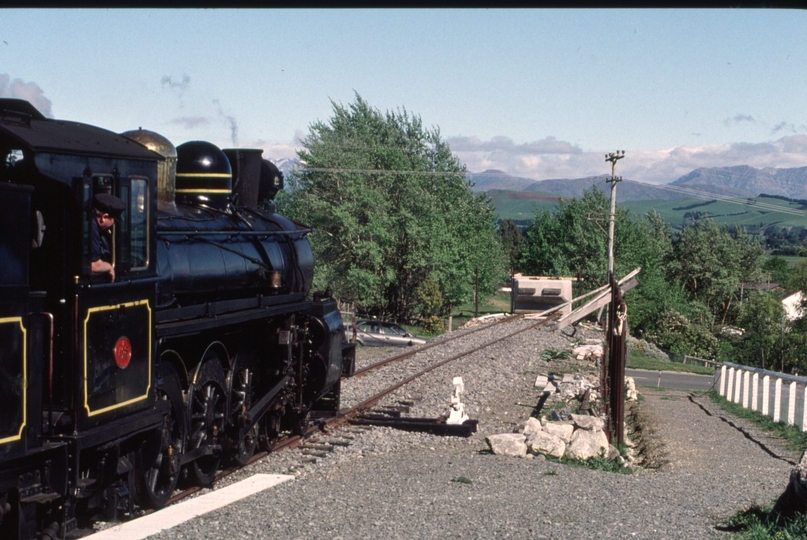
(403, 356)
(344, 416)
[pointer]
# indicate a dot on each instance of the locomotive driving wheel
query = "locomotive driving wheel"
(157, 461)
(242, 442)
(208, 418)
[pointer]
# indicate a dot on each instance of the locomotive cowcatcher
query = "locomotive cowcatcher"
(206, 345)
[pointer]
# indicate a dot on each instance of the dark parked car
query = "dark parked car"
(384, 334)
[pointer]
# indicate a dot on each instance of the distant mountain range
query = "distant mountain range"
(746, 181)
(739, 181)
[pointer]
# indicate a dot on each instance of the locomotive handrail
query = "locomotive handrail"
(196, 232)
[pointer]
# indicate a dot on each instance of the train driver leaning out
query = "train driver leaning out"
(106, 209)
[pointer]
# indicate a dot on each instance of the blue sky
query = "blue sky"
(536, 93)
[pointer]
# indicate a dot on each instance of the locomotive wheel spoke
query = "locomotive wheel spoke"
(157, 464)
(208, 419)
(242, 444)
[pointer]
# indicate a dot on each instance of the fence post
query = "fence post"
(791, 405)
(723, 381)
(804, 414)
(766, 395)
(777, 401)
(755, 392)
(737, 387)
(746, 383)
(730, 384)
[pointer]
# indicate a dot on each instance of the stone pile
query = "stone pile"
(562, 433)
(591, 351)
(484, 319)
(580, 438)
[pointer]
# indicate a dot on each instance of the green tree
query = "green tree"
(778, 269)
(649, 242)
(797, 280)
(511, 239)
(569, 239)
(764, 342)
(391, 207)
(711, 264)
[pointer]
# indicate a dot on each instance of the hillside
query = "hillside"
(750, 213)
(520, 206)
(745, 181)
(626, 191)
(495, 179)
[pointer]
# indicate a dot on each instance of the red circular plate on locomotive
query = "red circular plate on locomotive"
(123, 352)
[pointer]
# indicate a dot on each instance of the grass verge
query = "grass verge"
(637, 361)
(792, 435)
(599, 463)
(757, 523)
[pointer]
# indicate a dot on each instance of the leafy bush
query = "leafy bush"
(679, 334)
(433, 325)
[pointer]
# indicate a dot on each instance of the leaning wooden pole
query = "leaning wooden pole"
(617, 347)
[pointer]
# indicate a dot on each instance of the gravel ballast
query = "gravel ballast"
(392, 484)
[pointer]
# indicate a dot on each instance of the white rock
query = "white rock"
(587, 444)
(590, 423)
(547, 444)
(507, 444)
(631, 393)
(560, 429)
(533, 425)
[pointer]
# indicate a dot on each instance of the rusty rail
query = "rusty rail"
(409, 354)
(343, 416)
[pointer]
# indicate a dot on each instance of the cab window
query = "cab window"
(138, 224)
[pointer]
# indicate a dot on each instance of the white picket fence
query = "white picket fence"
(751, 387)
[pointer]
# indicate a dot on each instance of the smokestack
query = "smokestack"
(246, 164)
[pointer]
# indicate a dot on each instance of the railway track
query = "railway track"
(409, 354)
(313, 439)
(368, 403)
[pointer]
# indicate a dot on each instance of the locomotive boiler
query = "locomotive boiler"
(208, 343)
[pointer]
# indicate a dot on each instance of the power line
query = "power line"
(725, 198)
(675, 189)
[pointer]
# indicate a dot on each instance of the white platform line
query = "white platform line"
(140, 528)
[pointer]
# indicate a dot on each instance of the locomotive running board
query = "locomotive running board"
(436, 426)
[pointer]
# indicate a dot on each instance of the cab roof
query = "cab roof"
(22, 123)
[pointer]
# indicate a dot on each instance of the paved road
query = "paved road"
(670, 379)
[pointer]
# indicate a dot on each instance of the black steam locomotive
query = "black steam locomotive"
(205, 346)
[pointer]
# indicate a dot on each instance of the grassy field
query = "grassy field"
(517, 205)
(749, 213)
(791, 261)
(637, 361)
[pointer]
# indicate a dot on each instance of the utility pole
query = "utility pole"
(612, 157)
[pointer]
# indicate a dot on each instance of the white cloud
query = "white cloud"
(274, 151)
(551, 158)
(30, 91)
